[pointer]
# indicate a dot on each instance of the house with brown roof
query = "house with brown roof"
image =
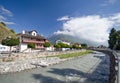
(31, 37)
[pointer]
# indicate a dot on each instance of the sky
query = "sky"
(87, 19)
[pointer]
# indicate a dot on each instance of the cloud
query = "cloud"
(5, 11)
(92, 28)
(4, 15)
(9, 23)
(64, 18)
(116, 19)
(2, 18)
(108, 2)
(112, 1)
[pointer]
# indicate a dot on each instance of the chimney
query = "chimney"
(23, 32)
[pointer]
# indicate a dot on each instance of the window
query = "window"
(34, 34)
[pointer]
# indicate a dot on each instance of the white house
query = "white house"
(30, 37)
(51, 48)
(62, 41)
(65, 42)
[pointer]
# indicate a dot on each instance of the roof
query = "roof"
(31, 36)
(31, 31)
(27, 34)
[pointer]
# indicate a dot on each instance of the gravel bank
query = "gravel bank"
(17, 66)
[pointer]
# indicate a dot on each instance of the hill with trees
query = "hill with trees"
(6, 32)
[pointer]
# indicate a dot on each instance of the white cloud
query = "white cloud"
(93, 28)
(108, 2)
(4, 14)
(64, 18)
(2, 18)
(9, 23)
(112, 1)
(116, 18)
(5, 11)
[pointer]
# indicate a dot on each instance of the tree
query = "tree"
(113, 37)
(118, 40)
(46, 44)
(31, 45)
(62, 45)
(3, 23)
(10, 42)
(12, 30)
(84, 45)
(76, 46)
(57, 46)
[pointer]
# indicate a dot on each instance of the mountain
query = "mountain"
(55, 37)
(70, 38)
(6, 32)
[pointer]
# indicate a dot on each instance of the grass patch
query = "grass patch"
(69, 55)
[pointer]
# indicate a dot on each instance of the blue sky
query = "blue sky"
(45, 16)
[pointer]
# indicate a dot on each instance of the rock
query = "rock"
(20, 65)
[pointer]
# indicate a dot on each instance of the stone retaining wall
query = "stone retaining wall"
(33, 55)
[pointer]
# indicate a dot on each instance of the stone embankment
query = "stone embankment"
(34, 55)
(17, 66)
(21, 62)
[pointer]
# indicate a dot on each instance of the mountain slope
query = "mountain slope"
(70, 38)
(5, 32)
(54, 37)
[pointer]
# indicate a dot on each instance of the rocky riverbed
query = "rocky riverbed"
(17, 66)
(20, 63)
(91, 68)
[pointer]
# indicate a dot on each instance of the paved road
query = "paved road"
(92, 68)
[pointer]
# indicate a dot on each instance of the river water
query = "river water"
(91, 68)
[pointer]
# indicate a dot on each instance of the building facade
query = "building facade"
(65, 42)
(27, 37)
(62, 41)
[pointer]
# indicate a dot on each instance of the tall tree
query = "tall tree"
(113, 37)
(118, 40)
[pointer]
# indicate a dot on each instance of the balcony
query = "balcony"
(32, 41)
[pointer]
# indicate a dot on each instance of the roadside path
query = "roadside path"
(92, 68)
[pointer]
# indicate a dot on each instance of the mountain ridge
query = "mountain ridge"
(71, 39)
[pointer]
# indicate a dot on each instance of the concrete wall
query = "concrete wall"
(22, 47)
(113, 64)
(49, 49)
(4, 48)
